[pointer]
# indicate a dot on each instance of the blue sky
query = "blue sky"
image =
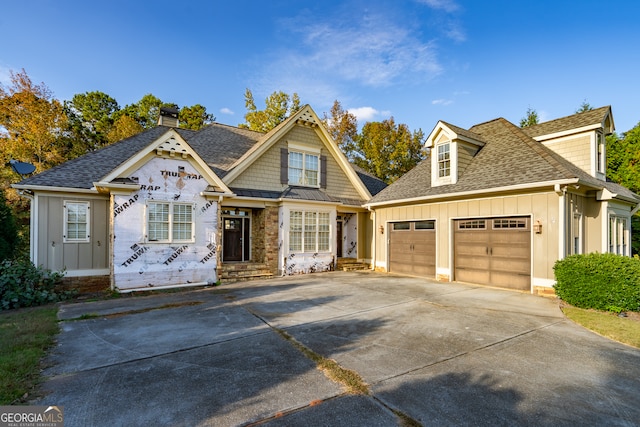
(420, 61)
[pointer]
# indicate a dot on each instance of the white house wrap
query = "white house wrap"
(140, 262)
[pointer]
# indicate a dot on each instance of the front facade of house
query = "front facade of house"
(494, 204)
(499, 205)
(171, 207)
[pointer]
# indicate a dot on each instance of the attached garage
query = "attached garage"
(493, 251)
(412, 248)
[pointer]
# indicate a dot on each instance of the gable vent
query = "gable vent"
(168, 117)
(307, 119)
(172, 148)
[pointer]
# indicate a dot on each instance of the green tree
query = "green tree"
(585, 106)
(387, 150)
(32, 123)
(195, 117)
(8, 230)
(623, 167)
(123, 127)
(91, 118)
(146, 111)
(530, 118)
(343, 128)
(278, 107)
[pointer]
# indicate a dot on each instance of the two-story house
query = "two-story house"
(499, 205)
(171, 207)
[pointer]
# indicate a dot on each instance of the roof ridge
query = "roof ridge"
(485, 123)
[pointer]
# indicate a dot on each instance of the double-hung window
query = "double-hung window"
(309, 231)
(169, 222)
(304, 169)
(76, 221)
(444, 160)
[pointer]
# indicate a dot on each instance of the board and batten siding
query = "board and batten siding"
(541, 206)
(54, 254)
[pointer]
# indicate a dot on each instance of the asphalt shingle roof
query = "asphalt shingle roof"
(574, 121)
(510, 157)
(220, 146)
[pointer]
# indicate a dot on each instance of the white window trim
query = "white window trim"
(598, 169)
(436, 179)
(87, 207)
(317, 231)
(305, 150)
(171, 222)
(619, 248)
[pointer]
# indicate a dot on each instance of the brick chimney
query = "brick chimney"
(168, 117)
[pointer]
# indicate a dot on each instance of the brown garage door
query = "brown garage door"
(412, 248)
(493, 251)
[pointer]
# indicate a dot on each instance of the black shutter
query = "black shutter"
(284, 166)
(323, 171)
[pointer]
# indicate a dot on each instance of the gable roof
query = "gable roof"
(223, 148)
(509, 160)
(595, 117)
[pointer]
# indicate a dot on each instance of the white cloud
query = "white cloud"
(368, 114)
(5, 76)
(372, 51)
(226, 110)
(442, 102)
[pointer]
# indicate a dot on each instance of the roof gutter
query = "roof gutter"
(475, 192)
(56, 189)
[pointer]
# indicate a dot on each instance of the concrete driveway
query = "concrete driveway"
(432, 354)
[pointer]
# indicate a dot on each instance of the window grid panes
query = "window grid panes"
(295, 231)
(444, 160)
(77, 221)
(303, 169)
(472, 224)
(510, 223)
(324, 232)
(167, 222)
(309, 231)
(182, 222)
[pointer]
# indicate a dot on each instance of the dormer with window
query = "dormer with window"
(452, 149)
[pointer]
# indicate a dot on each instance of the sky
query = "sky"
(418, 61)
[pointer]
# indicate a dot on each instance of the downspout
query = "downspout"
(374, 255)
(562, 221)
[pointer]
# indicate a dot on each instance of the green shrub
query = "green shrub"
(600, 281)
(22, 284)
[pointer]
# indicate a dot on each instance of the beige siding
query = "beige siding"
(264, 173)
(53, 254)
(540, 206)
(465, 155)
(577, 150)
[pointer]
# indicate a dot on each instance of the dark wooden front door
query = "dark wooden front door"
(235, 239)
(339, 239)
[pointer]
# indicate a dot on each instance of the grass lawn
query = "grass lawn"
(622, 329)
(25, 335)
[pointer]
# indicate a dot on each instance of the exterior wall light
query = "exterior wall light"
(382, 229)
(537, 227)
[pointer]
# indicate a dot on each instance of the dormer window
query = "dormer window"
(444, 160)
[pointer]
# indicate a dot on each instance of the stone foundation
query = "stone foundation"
(87, 284)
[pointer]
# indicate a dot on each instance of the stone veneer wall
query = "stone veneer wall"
(258, 235)
(271, 243)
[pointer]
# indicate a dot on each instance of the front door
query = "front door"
(339, 239)
(235, 239)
